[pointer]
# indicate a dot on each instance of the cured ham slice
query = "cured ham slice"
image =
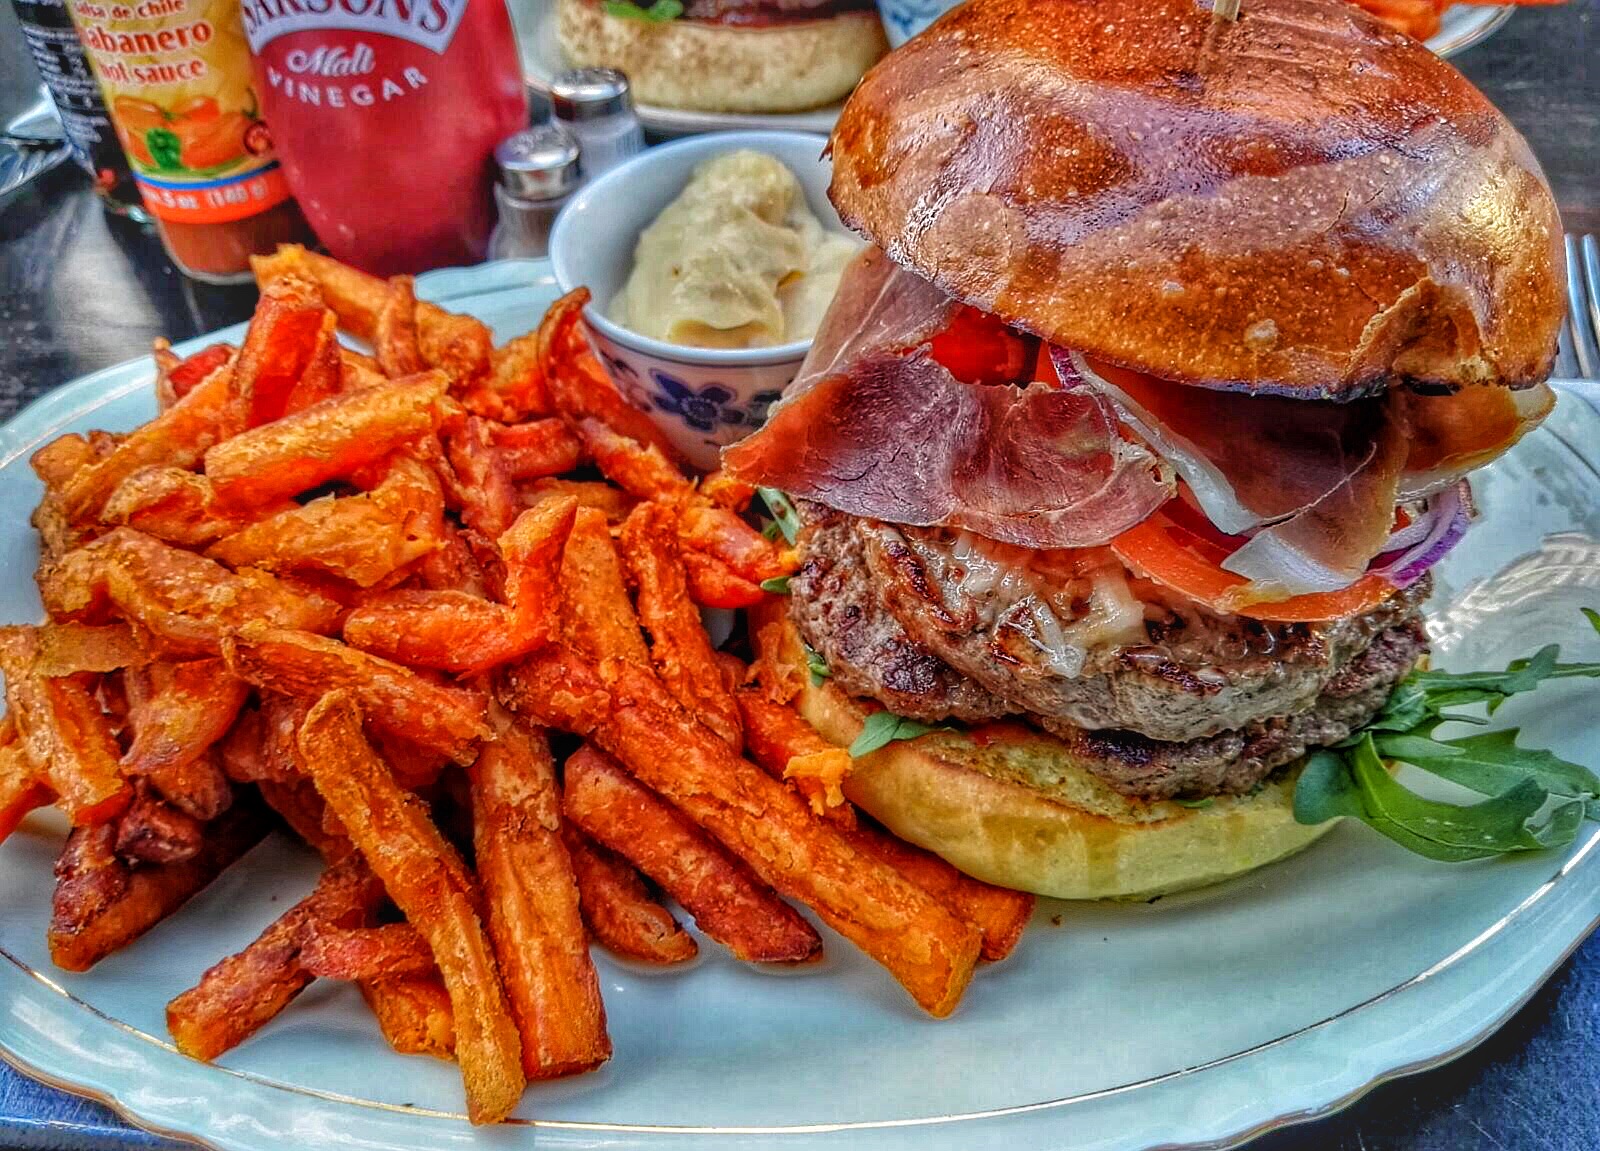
(898, 438)
(1314, 484)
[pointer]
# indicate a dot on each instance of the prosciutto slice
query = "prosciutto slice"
(1313, 484)
(898, 438)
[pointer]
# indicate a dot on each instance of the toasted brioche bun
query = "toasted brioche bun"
(789, 67)
(1007, 803)
(1303, 202)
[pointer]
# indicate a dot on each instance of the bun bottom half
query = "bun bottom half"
(954, 793)
(790, 67)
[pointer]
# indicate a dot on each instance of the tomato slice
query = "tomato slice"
(1180, 558)
(979, 348)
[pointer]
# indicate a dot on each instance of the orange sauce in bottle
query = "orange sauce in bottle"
(178, 83)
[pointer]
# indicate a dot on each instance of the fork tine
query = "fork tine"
(1566, 362)
(1583, 303)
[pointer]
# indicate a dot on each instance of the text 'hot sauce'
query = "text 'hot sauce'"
(177, 80)
(387, 113)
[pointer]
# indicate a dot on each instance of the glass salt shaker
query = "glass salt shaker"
(596, 106)
(536, 170)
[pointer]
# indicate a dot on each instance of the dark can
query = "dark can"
(57, 53)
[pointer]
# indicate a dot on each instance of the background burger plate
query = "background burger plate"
(1461, 26)
(1194, 1021)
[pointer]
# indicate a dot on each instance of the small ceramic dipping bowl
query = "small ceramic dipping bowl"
(702, 398)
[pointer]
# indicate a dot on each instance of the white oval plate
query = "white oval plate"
(1195, 1021)
(1461, 26)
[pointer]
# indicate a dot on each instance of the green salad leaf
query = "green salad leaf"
(781, 507)
(1533, 798)
(884, 727)
(816, 665)
(659, 12)
(777, 585)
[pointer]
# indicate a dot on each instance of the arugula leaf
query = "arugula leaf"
(1534, 798)
(771, 531)
(883, 728)
(777, 585)
(780, 505)
(1203, 801)
(658, 13)
(816, 665)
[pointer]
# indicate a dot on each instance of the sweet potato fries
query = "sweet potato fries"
(372, 599)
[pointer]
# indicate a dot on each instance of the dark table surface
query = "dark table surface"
(80, 291)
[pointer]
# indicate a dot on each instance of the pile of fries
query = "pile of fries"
(436, 611)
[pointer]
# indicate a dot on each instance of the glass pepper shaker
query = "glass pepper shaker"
(596, 106)
(536, 170)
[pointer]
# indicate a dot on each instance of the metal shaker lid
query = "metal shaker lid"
(539, 163)
(589, 93)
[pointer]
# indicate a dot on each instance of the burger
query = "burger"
(1124, 451)
(751, 56)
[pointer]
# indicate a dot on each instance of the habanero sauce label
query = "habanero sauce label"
(178, 83)
(356, 55)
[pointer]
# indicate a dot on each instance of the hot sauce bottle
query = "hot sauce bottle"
(176, 77)
(387, 113)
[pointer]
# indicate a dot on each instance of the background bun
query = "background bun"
(1303, 202)
(788, 67)
(956, 796)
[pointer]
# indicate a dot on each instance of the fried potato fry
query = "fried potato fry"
(489, 501)
(244, 992)
(393, 951)
(538, 449)
(777, 736)
(61, 459)
(579, 386)
(66, 737)
(71, 648)
(101, 904)
(678, 642)
(726, 492)
(428, 882)
(458, 345)
(325, 441)
(357, 371)
(176, 378)
(179, 437)
(532, 908)
(515, 389)
(461, 632)
(188, 601)
(618, 908)
(301, 807)
(21, 790)
(178, 710)
(726, 899)
(394, 343)
(614, 502)
(640, 469)
(179, 506)
(278, 347)
(721, 534)
(626, 711)
(362, 538)
(453, 567)
(197, 787)
(597, 615)
(324, 374)
(713, 584)
(447, 719)
(153, 831)
(414, 1014)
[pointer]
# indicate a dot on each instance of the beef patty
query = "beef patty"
(1165, 699)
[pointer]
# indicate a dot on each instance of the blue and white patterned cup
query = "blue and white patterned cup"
(702, 398)
(903, 19)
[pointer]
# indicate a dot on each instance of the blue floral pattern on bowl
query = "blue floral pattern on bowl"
(903, 19)
(706, 406)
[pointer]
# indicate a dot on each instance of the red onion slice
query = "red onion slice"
(1449, 514)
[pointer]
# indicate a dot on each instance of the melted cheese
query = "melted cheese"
(736, 261)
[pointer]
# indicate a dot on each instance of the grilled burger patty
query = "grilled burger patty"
(1158, 699)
